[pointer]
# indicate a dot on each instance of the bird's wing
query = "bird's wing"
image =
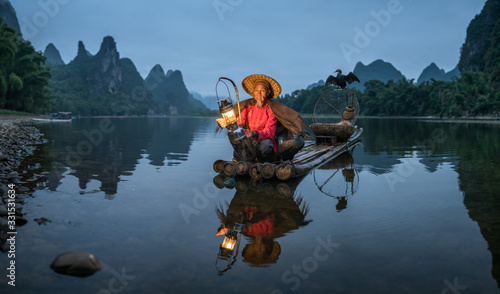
(329, 81)
(351, 78)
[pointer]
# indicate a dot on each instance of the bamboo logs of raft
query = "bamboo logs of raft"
(270, 188)
(263, 170)
(310, 157)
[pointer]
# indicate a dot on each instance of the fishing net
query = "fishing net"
(334, 105)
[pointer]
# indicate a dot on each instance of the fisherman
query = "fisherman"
(258, 119)
(264, 118)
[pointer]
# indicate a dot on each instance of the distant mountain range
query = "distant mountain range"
(384, 71)
(209, 101)
(114, 86)
(172, 97)
(171, 92)
(314, 85)
(377, 70)
(105, 84)
(102, 84)
(433, 72)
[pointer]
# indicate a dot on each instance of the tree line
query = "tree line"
(473, 94)
(24, 86)
(468, 96)
(23, 77)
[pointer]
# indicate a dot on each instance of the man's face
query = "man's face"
(260, 93)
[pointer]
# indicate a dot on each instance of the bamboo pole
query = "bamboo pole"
(255, 173)
(284, 172)
(310, 155)
(306, 161)
(242, 168)
(287, 171)
(229, 168)
(268, 170)
(219, 166)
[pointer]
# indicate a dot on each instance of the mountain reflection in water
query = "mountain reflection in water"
(94, 154)
(415, 205)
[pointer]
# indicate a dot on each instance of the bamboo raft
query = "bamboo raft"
(309, 157)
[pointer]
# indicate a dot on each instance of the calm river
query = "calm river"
(414, 209)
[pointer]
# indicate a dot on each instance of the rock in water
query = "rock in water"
(78, 263)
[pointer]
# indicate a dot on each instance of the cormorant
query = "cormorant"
(288, 149)
(341, 80)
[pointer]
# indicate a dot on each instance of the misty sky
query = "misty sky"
(296, 42)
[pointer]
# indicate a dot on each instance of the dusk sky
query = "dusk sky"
(296, 42)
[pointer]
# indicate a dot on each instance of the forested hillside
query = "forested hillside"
(23, 77)
(475, 93)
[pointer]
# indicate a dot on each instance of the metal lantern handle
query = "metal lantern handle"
(231, 262)
(236, 91)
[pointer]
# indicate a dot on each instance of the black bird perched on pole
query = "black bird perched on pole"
(288, 149)
(341, 80)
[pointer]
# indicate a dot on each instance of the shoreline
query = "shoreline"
(18, 140)
(27, 118)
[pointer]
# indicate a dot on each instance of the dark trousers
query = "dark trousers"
(265, 151)
(249, 149)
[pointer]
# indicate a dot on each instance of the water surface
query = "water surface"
(414, 209)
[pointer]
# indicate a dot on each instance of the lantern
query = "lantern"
(226, 109)
(235, 133)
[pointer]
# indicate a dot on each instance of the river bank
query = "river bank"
(18, 139)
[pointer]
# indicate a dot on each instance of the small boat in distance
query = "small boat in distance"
(56, 117)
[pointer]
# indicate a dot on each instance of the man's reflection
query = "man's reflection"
(262, 212)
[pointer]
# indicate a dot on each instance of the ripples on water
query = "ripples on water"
(414, 209)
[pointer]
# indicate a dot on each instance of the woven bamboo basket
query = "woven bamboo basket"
(342, 132)
(349, 113)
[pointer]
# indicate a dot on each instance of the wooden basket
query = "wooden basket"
(341, 132)
(348, 113)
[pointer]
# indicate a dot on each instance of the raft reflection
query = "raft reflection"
(262, 212)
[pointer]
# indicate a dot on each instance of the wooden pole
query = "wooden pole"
(219, 166)
(268, 170)
(229, 168)
(255, 172)
(242, 168)
(284, 172)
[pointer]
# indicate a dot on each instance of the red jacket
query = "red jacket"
(261, 120)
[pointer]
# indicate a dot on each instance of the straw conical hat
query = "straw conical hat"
(250, 81)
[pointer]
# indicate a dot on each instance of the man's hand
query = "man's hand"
(222, 122)
(253, 135)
